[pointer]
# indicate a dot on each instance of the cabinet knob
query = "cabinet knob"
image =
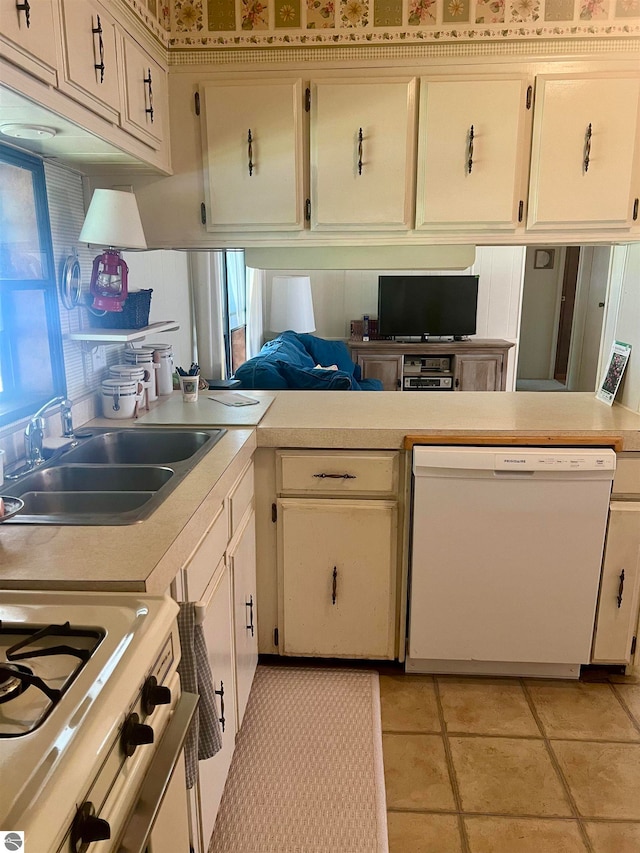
(154, 694)
(87, 828)
(134, 734)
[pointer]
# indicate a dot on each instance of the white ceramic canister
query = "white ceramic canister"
(163, 357)
(134, 373)
(119, 397)
(143, 357)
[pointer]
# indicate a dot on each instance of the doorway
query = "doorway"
(561, 324)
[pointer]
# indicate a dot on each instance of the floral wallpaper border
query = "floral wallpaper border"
(240, 23)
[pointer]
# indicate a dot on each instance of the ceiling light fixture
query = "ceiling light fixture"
(28, 131)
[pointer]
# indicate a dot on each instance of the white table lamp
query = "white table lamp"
(291, 304)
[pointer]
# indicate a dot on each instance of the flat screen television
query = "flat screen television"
(427, 305)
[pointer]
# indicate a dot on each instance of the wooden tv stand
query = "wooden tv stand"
(473, 365)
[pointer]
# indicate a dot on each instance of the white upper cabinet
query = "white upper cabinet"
(252, 148)
(90, 70)
(472, 153)
(145, 108)
(27, 37)
(362, 154)
(584, 166)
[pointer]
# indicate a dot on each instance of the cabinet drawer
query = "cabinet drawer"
(337, 473)
(627, 478)
(241, 497)
(202, 564)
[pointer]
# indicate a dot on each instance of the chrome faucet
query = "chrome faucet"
(34, 431)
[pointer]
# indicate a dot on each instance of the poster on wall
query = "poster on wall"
(614, 371)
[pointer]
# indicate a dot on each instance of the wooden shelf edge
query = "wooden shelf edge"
(614, 441)
(122, 335)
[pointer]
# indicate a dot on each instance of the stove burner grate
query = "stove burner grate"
(11, 684)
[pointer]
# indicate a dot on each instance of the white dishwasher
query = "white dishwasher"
(506, 555)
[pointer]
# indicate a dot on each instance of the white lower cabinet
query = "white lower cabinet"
(337, 568)
(242, 559)
(619, 586)
(220, 577)
(218, 633)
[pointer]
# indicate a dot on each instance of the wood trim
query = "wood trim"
(614, 441)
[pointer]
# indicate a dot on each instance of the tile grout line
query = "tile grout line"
(462, 829)
(498, 736)
(556, 764)
(620, 697)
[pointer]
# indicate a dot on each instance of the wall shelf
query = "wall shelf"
(105, 336)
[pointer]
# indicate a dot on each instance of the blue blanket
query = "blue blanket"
(304, 362)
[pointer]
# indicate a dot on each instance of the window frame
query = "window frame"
(16, 403)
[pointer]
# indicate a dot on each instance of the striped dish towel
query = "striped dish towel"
(205, 737)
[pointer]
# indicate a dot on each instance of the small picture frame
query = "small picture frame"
(614, 371)
(544, 259)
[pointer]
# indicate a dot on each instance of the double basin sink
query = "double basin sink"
(114, 477)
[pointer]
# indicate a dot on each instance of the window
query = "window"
(31, 360)
(235, 326)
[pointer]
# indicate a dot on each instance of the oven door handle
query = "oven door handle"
(140, 823)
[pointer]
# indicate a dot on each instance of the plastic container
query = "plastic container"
(163, 357)
(143, 357)
(120, 398)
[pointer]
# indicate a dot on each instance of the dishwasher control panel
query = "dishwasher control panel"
(582, 460)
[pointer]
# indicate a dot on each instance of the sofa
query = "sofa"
(305, 363)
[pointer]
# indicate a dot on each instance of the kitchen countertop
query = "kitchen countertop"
(147, 555)
(382, 419)
(129, 558)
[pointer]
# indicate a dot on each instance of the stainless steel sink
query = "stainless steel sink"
(113, 477)
(96, 478)
(140, 447)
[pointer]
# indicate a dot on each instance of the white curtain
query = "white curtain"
(255, 287)
(207, 275)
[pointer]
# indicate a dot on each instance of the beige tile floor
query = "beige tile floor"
(480, 765)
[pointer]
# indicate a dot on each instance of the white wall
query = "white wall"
(540, 305)
(167, 274)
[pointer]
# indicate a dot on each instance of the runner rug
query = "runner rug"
(307, 773)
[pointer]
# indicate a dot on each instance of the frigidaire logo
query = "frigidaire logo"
(14, 841)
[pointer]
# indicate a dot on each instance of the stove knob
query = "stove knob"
(87, 828)
(154, 694)
(134, 734)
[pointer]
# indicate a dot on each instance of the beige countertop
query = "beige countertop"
(381, 419)
(134, 557)
(147, 555)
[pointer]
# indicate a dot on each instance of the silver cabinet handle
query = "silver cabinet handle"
(360, 137)
(587, 148)
(97, 30)
(149, 109)
(26, 8)
(470, 151)
(250, 151)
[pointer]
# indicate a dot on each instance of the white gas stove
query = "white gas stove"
(89, 693)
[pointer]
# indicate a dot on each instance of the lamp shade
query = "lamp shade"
(291, 304)
(113, 220)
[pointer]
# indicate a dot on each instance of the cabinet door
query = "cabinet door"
(362, 154)
(242, 557)
(218, 632)
(618, 600)
(584, 169)
(478, 373)
(471, 154)
(253, 155)
(145, 106)
(386, 368)
(29, 41)
(90, 70)
(338, 568)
